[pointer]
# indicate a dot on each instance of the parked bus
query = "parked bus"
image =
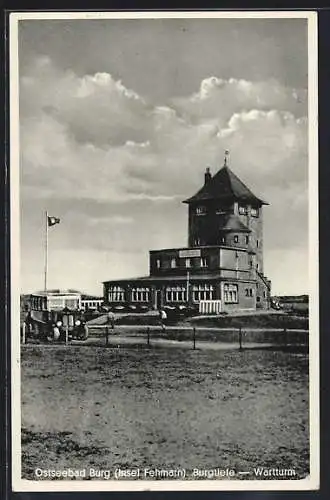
(48, 320)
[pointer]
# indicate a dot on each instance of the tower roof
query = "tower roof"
(230, 222)
(225, 185)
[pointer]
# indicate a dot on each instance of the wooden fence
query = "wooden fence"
(188, 336)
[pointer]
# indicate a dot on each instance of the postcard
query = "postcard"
(164, 250)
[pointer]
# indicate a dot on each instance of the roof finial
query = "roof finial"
(226, 157)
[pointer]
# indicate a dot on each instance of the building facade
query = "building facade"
(91, 302)
(223, 262)
(61, 299)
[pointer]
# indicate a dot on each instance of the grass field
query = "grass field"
(270, 320)
(94, 407)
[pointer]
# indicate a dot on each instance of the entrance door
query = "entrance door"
(158, 299)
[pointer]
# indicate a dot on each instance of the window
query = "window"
(200, 210)
(264, 294)
(247, 240)
(204, 262)
(258, 299)
(203, 292)
(236, 239)
(140, 294)
(197, 241)
(230, 293)
(257, 243)
(242, 210)
(70, 303)
(158, 263)
(188, 263)
(116, 294)
(176, 294)
(222, 210)
(173, 263)
(254, 212)
(249, 292)
(257, 267)
(222, 239)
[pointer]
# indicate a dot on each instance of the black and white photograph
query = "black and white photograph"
(164, 242)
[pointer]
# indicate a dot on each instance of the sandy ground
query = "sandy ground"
(87, 406)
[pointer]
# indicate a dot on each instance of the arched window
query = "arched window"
(204, 262)
(230, 293)
(116, 294)
(140, 294)
(254, 212)
(176, 294)
(203, 292)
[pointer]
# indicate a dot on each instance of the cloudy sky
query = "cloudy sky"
(118, 120)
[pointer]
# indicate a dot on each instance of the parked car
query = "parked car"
(46, 325)
(275, 304)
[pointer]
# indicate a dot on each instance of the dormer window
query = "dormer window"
(247, 240)
(254, 212)
(236, 238)
(188, 263)
(173, 263)
(197, 241)
(223, 210)
(242, 210)
(158, 263)
(200, 210)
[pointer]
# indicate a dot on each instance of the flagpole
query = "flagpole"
(46, 249)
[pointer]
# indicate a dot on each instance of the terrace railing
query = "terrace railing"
(210, 307)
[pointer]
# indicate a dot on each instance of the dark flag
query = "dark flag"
(52, 221)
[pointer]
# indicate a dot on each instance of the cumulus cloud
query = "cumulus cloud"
(223, 98)
(93, 134)
(90, 137)
(91, 106)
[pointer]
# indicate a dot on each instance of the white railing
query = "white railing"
(210, 307)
